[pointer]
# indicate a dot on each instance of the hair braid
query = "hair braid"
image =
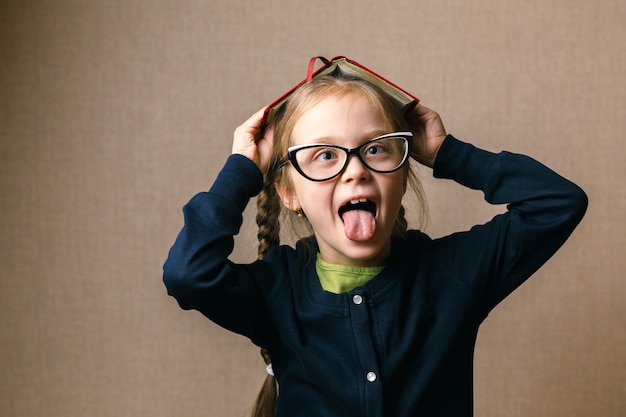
(401, 225)
(267, 217)
(265, 405)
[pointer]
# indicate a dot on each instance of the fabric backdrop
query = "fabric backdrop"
(114, 113)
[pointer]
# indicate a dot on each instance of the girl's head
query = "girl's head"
(353, 214)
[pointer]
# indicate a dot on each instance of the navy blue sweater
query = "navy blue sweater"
(402, 345)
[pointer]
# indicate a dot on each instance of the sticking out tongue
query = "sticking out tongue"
(359, 225)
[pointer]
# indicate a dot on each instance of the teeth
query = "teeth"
(358, 200)
(358, 204)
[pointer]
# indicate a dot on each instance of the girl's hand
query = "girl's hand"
(428, 134)
(251, 141)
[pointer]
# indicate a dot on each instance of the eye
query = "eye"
(375, 148)
(325, 155)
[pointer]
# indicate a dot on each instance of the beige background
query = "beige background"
(114, 113)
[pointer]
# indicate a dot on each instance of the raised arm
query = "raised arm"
(197, 271)
(543, 209)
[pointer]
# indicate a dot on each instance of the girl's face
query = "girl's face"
(347, 233)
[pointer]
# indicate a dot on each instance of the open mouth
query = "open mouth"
(358, 204)
(359, 219)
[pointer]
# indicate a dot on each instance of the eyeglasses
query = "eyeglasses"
(322, 162)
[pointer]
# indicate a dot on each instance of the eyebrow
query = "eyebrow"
(333, 140)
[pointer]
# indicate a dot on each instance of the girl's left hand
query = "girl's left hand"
(428, 134)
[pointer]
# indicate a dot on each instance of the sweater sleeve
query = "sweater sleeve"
(197, 271)
(543, 209)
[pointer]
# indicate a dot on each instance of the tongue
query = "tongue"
(359, 225)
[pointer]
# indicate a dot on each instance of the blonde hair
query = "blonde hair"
(270, 210)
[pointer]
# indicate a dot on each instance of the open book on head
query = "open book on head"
(340, 66)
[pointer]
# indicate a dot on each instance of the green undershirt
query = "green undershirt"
(343, 278)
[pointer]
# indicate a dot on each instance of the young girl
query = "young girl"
(365, 317)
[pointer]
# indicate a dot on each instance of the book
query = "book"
(342, 66)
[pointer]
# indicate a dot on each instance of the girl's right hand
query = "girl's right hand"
(254, 142)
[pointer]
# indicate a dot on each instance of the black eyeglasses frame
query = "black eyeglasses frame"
(291, 155)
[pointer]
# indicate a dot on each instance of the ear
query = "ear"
(287, 196)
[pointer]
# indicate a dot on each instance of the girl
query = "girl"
(365, 317)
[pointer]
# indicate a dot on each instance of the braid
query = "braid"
(265, 405)
(267, 217)
(401, 225)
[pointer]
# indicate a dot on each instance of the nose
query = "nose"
(355, 170)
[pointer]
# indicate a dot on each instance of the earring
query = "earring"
(300, 212)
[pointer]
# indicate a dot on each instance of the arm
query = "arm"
(543, 209)
(197, 271)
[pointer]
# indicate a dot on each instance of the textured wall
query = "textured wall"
(112, 114)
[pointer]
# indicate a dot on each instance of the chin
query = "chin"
(367, 253)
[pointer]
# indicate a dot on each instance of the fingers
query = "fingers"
(428, 132)
(421, 115)
(421, 110)
(251, 141)
(252, 126)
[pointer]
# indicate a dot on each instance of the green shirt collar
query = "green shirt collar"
(343, 278)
